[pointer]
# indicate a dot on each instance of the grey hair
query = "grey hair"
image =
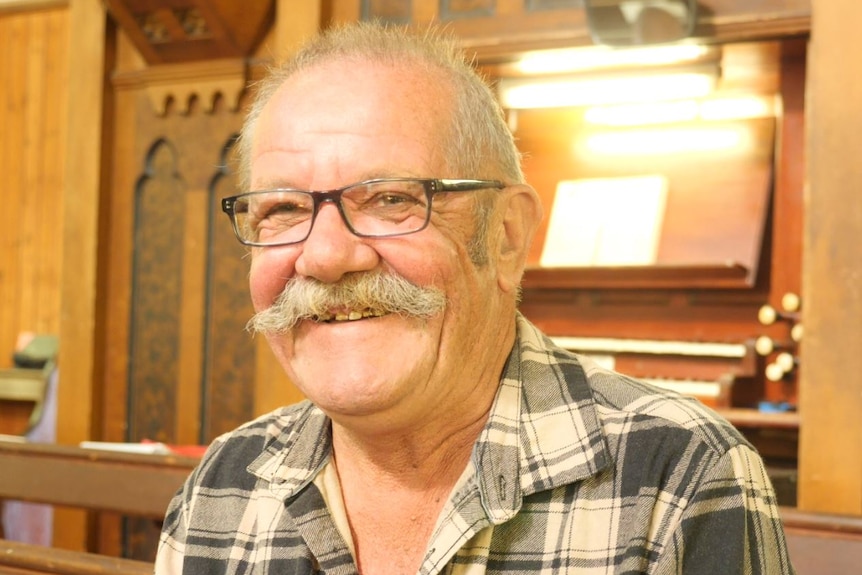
(480, 144)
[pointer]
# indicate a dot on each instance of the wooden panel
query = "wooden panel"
(221, 378)
(717, 201)
(831, 435)
(194, 29)
(33, 76)
(229, 368)
(136, 484)
(160, 209)
(500, 29)
(23, 559)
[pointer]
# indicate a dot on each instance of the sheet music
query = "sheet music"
(605, 222)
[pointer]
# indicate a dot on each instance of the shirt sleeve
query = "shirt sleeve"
(732, 523)
(171, 550)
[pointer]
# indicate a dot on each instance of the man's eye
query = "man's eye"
(393, 199)
(281, 208)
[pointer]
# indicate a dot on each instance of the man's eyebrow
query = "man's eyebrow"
(274, 184)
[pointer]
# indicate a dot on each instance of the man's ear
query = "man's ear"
(521, 212)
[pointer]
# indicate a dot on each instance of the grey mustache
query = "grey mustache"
(310, 299)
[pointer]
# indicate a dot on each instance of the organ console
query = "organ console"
(719, 374)
(694, 319)
(697, 342)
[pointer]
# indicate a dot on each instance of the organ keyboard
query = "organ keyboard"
(719, 374)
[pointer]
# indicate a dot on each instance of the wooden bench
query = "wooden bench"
(123, 484)
(22, 558)
(99, 480)
(823, 544)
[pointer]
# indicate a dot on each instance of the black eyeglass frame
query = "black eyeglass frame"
(430, 185)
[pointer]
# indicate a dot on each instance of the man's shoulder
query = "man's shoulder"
(638, 405)
(621, 404)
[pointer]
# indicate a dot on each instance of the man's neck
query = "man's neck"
(394, 499)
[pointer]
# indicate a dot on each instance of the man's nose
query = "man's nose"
(331, 250)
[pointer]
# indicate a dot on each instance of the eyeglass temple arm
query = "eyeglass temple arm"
(467, 185)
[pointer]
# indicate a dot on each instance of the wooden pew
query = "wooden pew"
(823, 544)
(123, 484)
(99, 480)
(23, 559)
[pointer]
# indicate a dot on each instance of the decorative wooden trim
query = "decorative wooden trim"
(30, 5)
(180, 84)
(729, 276)
(718, 29)
(167, 31)
(744, 28)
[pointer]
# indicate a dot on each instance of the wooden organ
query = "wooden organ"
(717, 314)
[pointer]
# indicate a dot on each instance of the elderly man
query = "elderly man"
(389, 226)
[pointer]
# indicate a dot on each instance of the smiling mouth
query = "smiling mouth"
(352, 315)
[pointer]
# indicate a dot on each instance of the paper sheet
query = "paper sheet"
(605, 222)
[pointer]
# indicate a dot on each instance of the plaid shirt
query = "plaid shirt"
(578, 470)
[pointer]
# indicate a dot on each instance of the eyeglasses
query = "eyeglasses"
(371, 209)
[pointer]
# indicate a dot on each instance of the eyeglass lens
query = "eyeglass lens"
(382, 208)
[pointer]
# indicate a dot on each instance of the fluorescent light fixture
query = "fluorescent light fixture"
(603, 57)
(712, 109)
(738, 108)
(663, 141)
(519, 93)
(641, 114)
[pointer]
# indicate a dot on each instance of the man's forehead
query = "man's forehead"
(338, 98)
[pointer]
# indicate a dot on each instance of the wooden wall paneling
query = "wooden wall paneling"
(125, 159)
(191, 375)
(11, 6)
(79, 346)
(198, 137)
(229, 357)
(198, 109)
(32, 161)
(117, 259)
(830, 382)
(168, 153)
(157, 276)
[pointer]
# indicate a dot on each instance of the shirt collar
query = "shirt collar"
(543, 430)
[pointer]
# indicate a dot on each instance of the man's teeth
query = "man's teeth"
(352, 315)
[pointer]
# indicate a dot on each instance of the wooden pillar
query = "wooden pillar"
(77, 397)
(831, 352)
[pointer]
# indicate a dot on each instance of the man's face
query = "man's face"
(338, 124)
